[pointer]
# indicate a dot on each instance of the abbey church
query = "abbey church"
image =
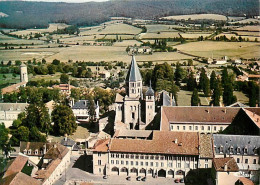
(128, 109)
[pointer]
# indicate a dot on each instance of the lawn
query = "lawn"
(184, 98)
(16, 41)
(159, 35)
(241, 97)
(159, 28)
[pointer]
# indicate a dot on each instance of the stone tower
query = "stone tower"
(149, 105)
(132, 105)
(23, 73)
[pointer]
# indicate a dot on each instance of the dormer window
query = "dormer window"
(25, 151)
(36, 152)
(29, 152)
(231, 150)
(255, 151)
(245, 150)
(221, 149)
(238, 150)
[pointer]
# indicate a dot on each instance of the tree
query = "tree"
(37, 115)
(195, 100)
(252, 93)
(206, 88)
(64, 78)
(3, 136)
(64, 120)
(92, 112)
(204, 83)
(224, 77)
(216, 94)
(43, 61)
(212, 80)
(228, 97)
(178, 74)
(191, 83)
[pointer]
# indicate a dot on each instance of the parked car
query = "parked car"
(144, 179)
(177, 180)
(105, 177)
(128, 178)
(138, 178)
(182, 180)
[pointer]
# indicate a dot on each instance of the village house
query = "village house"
(9, 112)
(53, 159)
(149, 153)
(81, 108)
(64, 88)
(243, 149)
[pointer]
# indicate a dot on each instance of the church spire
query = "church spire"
(133, 74)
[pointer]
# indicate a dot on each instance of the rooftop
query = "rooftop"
(13, 87)
(255, 117)
(227, 164)
(133, 74)
(16, 165)
(206, 146)
(245, 181)
(133, 133)
(19, 178)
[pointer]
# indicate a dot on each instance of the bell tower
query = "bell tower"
(23, 73)
(149, 105)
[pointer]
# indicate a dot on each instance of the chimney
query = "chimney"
(176, 140)
(225, 167)
(180, 144)
(66, 137)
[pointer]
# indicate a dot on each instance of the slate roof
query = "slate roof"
(229, 163)
(82, 104)
(133, 74)
(133, 133)
(67, 142)
(149, 92)
(236, 141)
(166, 99)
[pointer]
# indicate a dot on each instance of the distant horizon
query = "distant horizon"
(64, 1)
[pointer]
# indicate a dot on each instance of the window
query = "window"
(171, 127)
(156, 164)
(179, 165)
(36, 152)
(202, 127)
(117, 155)
(137, 156)
(183, 127)
(178, 127)
(132, 156)
(151, 163)
(245, 150)
(238, 150)
(196, 127)
(99, 170)
(29, 152)
(141, 157)
(221, 128)
(127, 156)
(162, 158)
(117, 161)
(126, 162)
(136, 163)
(208, 127)
(146, 163)
(206, 160)
(142, 163)
(246, 161)
(170, 164)
(215, 128)
(99, 162)
(151, 157)
(133, 115)
(122, 162)
(131, 108)
(112, 161)
(99, 154)
(254, 161)
(238, 160)
(206, 166)
(190, 127)
(146, 157)
(122, 156)
(231, 149)
(221, 149)
(132, 163)
(187, 165)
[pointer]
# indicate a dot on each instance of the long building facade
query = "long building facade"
(161, 153)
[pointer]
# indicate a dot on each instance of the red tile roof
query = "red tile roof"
(227, 164)
(101, 145)
(206, 115)
(13, 87)
(245, 181)
(19, 179)
(16, 165)
(254, 117)
(163, 142)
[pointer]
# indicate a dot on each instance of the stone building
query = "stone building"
(148, 153)
(128, 109)
(244, 150)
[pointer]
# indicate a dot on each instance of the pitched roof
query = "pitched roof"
(19, 179)
(57, 151)
(227, 164)
(16, 165)
(133, 74)
(119, 98)
(45, 174)
(255, 117)
(163, 142)
(13, 87)
(245, 181)
(67, 142)
(236, 141)
(205, 115)
(101, 145)
(206, 145)
(13, 106)
(238, 104)
(133, 134)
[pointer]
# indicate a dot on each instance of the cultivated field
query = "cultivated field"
(12, 40)
(160, 27)
(161, 35)
(220, 49)
(249, 28)
(194, 35)
(52, 27)
(197, 17)
(116, 28)
(250, 38)
(246, 21)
